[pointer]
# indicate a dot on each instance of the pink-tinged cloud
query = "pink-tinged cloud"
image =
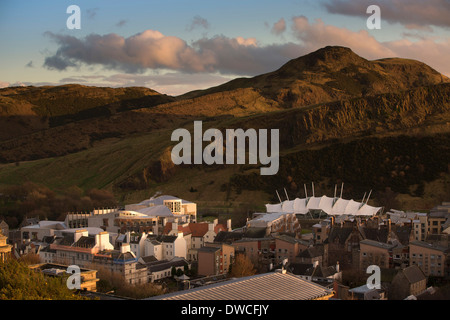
(151, 49)
(279, 27)
(412, 13)
(317, 34)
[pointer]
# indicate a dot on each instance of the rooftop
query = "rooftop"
(267, 286)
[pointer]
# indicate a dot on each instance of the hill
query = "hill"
(372, 124)
(24, 110)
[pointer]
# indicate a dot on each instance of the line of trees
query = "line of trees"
(34, 200)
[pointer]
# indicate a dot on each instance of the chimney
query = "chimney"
(216, 222)
(124, 248)
(102, 241)
(337, 266)
(175, 226)
(78, 234)
(229, 225)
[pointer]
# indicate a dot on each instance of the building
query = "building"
(136, 241)
(165, 247)
(267, 286)
(122, 221)
(77, 247)
(36, 232)
(5, 248)
(434, 260)
(365, 293)
(275, 222)
(287, 247)
(196, 234)
(4, 228)
(177, 206)
(160, 269)
(318, 273)
(323, 206)
(88, 277)
(408, 281)
(215, 259)
(122, 263)
(376, 253)
(342, 245)
(260, 251)
(438, 217)
(312, 255)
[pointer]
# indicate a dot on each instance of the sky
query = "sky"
(175, 46)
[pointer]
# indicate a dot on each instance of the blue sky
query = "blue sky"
(176, 46)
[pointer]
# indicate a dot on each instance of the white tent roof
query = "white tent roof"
(300, 206)
(367, 210)
(274, 208)
(313, 203)
(288, 206)
(327, 204)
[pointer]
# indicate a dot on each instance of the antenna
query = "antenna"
(335, 190)
(312, 183)
(342, 188)
(306, 193)
(364, 197)
(287, 197)
(368, 196)
(278, 196)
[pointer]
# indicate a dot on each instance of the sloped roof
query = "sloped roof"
(196, 229)
(375, 234)
(157, 210)
(340, 233)
(267, 286)
(311, 252)
(320, 271)
(413, 274)
(255, 232)
(85, 242)
(160, 200)
(228, 236)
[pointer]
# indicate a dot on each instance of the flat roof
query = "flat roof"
(266, 286)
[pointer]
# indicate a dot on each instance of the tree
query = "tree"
(173, 271)
(241, 267)
(18, 282)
